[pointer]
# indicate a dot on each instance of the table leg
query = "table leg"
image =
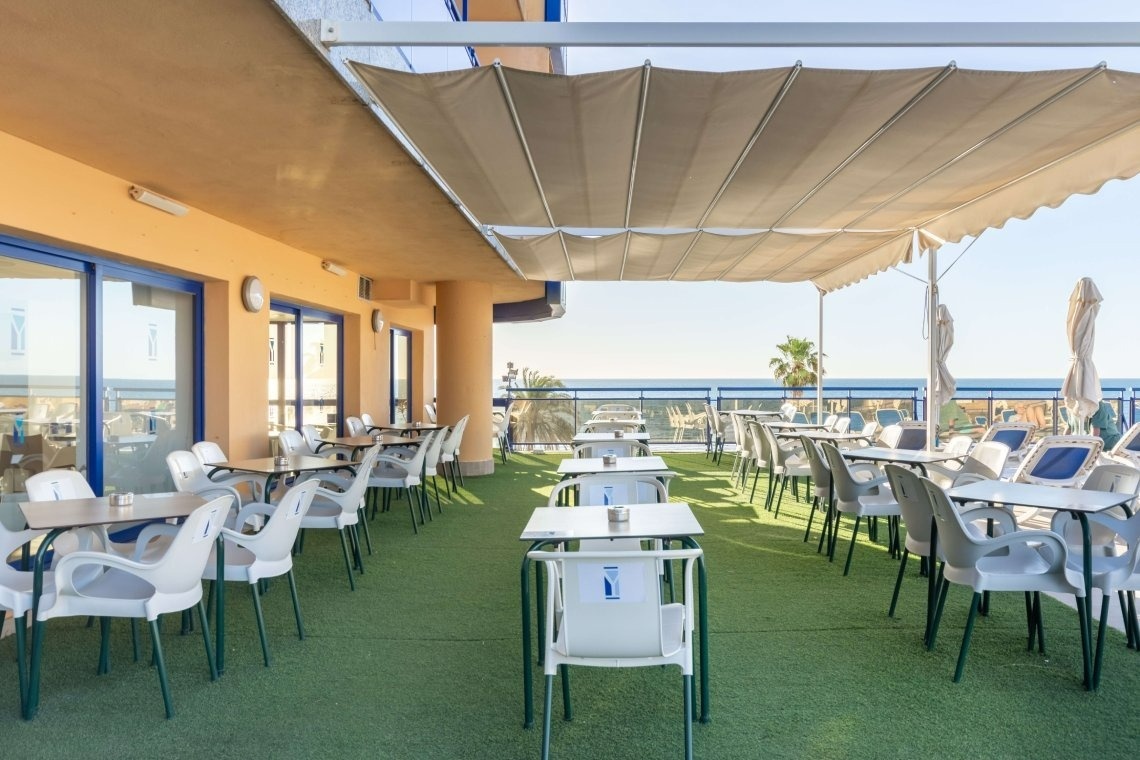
(1086, 610)
(528, 675)
(220, 609)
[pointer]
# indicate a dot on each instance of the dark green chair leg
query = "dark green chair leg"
(944, 588)
(851, 548)
(347, 561)
(160, 665)
(412, 512)
(783, 486)
(260, 618)
(974, 605)
(33, 701)
(1105, 603)
(104, 646)
(135, 639)
(898, 583)
(206, 641)
(296, 605)
(567, 709)
(811, 518)
(367, 532)
(20, 625)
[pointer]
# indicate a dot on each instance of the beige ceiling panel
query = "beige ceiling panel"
(654, 257)
(538, 257)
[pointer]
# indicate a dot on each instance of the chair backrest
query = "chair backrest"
(619, 447)
(1059, 460)
(912, 436)
(366, 418)
(292, 442)
(1115, 478)
(208, 452)
(433, 448)
(611, 606)
(778, 453)
(55, 485)
(180, 567)
(1016, 435)
(956, 545)
(830, 420)
(455, 440)
(615, 408)
(740, 434)
(842, 425)
(354, 426)
(914, 502)
(429, 411)
(788, 411)
(846, 488)
(311, 439)
(619, 488)
(760, 448)
(417, 461)
(187, 473)
(959, 444)
(820, 471)
(987, 460)
(274, 542)
(353, 497)
(890, 435)
(870, 431)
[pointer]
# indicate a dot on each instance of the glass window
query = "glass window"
(41, 390)
(148, 382)
(304, 382)
(401, 388)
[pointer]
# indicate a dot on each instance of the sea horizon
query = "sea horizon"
(977, 383)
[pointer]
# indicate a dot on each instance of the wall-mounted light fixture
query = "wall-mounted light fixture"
(154, 200)
(377, 320)
(334, 268)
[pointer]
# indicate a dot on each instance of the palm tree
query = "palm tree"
(797, 365)
(539, 414)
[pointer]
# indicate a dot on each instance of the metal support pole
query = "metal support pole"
(819, 365)
(932, 401)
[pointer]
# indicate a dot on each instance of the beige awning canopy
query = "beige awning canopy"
(785, 174)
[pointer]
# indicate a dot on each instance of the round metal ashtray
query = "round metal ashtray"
(618, 514)
(619, 434)
(377, 438)
(121, 499)
(280, 461)
(609, 459)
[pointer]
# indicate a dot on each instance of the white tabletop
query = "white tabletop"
(268, 465)
(671, 520)
(592, 465)
(819, 435)
(607, 437)
(69, 513)
(640, 422)
(784, 424)
(901, 456)
(755, 413)
(1043, 497)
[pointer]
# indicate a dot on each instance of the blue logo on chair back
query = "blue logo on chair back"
(611, 582)
(607, 495)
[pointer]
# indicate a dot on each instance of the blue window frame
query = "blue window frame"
(92, 271)
(309, 399)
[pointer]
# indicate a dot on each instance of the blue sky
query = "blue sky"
(1008, 294)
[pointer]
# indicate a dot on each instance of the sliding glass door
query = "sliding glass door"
(305, 349)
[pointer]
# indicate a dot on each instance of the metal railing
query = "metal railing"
(549, 417)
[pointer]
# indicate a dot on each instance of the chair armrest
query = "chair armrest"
(67, 566)
(252, 510)
(148, 534)
(1002, 517)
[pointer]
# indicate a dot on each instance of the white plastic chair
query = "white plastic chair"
(268, 553)
(842, 425)
(861, 498)
(821, 487)
(132, 589)
(432, 466)
(744, 451)
(354, 426)
(605, 610)
(57, 485)
(619, 447)
(449, 454)
(1031, 561)
(391, 472)
(188, 476)
(208, 452)
(1127, 449)
(429, 412)
(341, 510)
(984, 462)
(308, 442)
(369, 423)
(1016, 435)
(1059, 460)
(786, 461)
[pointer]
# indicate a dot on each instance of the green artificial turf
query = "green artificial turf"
(423, 659)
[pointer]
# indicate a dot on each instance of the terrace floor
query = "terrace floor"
(423, 659)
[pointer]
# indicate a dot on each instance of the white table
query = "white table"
(556, 525)
(819, 435)
(571, 467)
(916, 457)
(640, 437)
(785, 425)
(1076, 502)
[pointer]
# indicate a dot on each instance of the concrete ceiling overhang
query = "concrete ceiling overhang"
(225, 107)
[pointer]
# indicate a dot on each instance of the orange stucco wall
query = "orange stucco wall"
(48, 197)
